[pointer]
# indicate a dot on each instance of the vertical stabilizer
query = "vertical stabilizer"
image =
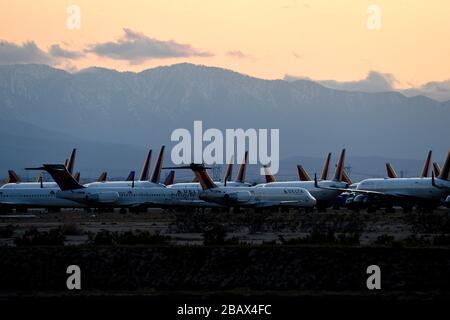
(242, 169)
(426, 165)
(446, 168)
(158, 166)
(146, 166)
(326, 167)
(302, 174)
(390, 171)
(339, 167)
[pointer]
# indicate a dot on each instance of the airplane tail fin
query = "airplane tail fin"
(13, 177)
(195, 178)
(200, 172)
(426, 165)
(446, 168)
(103, 177)
(302, 174)
(145, 167)
(326, 167)
(436, 169)
(390, 171)
(76, 176)
(130, 176)
(158, 166)
(339, 167)
(61, 176)
(269, 175)
(346, 177)
(242, 169)
(229, 171)
(170, 178)
(71, 161)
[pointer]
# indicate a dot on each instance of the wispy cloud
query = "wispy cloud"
(381, 82)
(237, 54)
(137, 48)
(374, 82)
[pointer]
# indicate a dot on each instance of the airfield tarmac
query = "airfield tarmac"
(187, 227)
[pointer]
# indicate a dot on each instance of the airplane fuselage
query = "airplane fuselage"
(419, 188)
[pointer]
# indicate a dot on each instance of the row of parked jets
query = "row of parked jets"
(145, 192)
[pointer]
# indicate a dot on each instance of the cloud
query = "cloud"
(437, 90)
(374, 82)
(138, 48)
(237, 54)
(382, 82)
(58, 52)
(27, 52)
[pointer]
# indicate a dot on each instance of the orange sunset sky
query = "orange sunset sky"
(319, 39)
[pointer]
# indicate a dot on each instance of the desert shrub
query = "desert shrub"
(319, 238)
(415, 241)
(71, 229)
(33, 237)
(442, 240)
(216, 235)
(384, 240)
(138, 237)
(7, 231)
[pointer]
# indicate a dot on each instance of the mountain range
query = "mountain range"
(114, 117)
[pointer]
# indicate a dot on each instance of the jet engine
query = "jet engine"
(238, 196)
(104, 197)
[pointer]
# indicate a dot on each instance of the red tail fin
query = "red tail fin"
(242, 169)
(326, 167)
(13, 177)
(269, 175)
(346, 177)
(446, 168)
(437, 169)
(103, 177)
(390, 171)
(145, 167)
(426, 165)
(203, 177)
(229, 171)
(170, 178)
(157, 170)
(339, 167)
(302, 174)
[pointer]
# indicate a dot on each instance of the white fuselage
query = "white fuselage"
(323, 195)
(420, 188)
(96, 195)
(29, 185)
(259, 197)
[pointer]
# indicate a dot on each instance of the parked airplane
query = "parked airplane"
(324, 197)
(253, 197)
(427, 193)
(73, 194)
